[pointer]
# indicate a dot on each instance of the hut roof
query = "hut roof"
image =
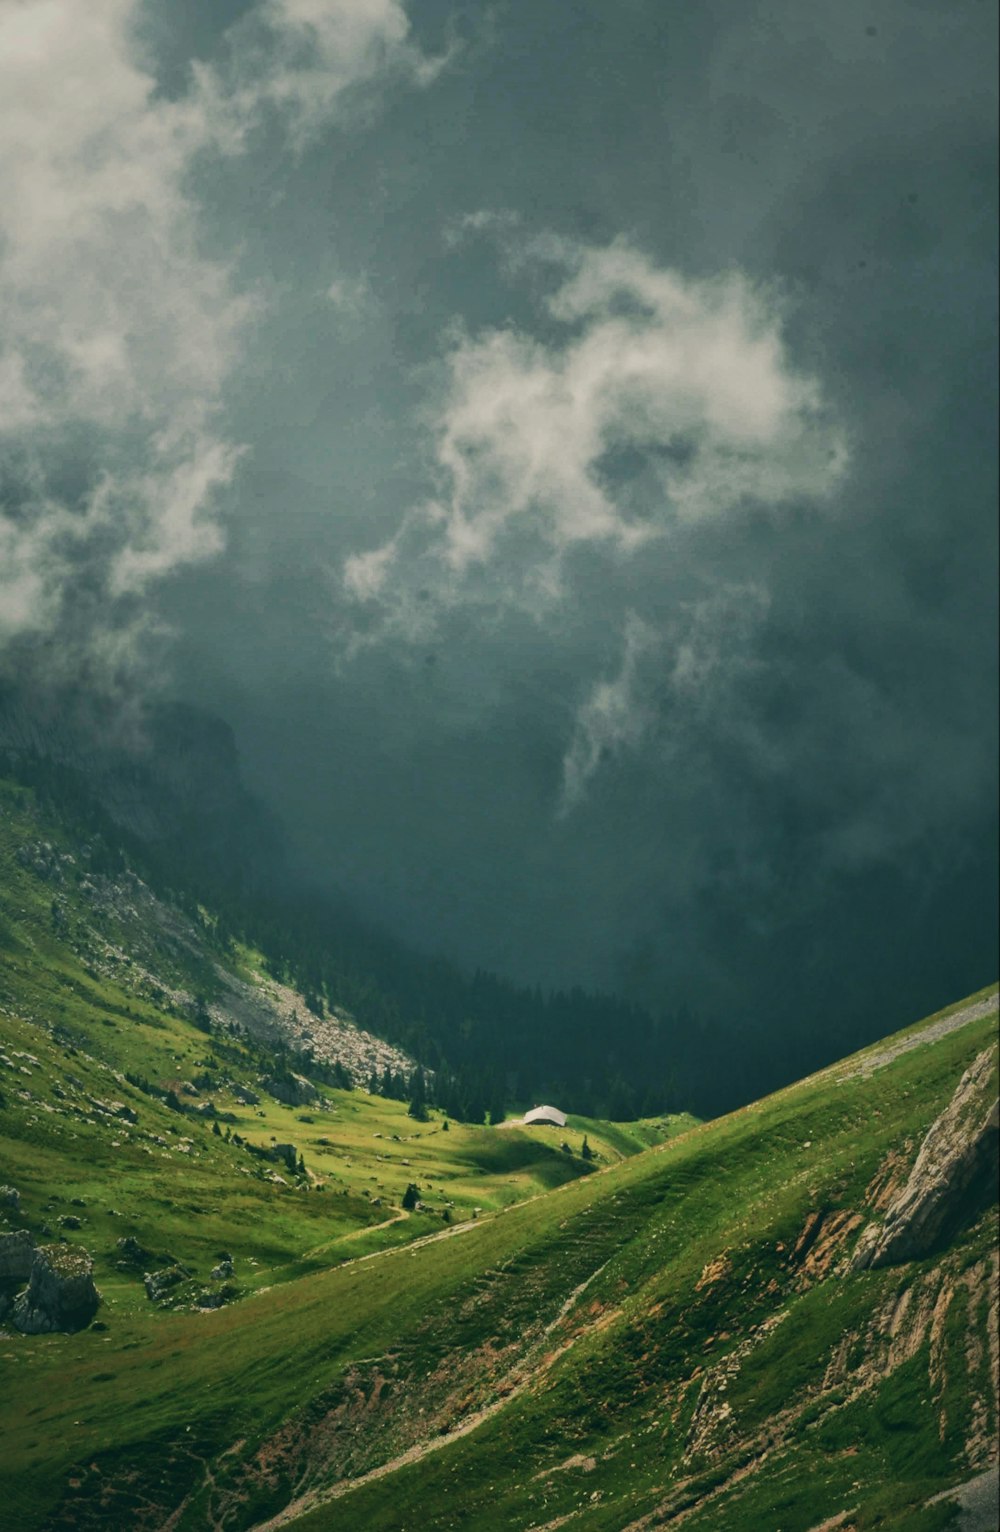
(546, 1114)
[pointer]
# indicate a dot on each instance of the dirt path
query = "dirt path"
(368, 1228)
(934, 1030)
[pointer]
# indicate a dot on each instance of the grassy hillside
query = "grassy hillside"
(654, 1338)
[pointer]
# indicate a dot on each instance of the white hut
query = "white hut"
(550, 1115)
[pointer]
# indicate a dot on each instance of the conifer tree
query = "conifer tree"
(418, 1096)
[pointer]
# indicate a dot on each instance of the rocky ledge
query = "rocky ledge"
(955, 1173)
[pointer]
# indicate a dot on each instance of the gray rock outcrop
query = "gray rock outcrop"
(292, 1089)
(219, 1298)
(957, 1162)
(60, 1294)
(159, 1284)
(131, 1253)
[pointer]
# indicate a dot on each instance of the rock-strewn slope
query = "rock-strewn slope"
(149, 946)
(267, 1009)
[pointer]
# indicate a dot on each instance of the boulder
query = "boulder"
(159, 1283)
(60, 1294)
(245, 1095)
(221, 1272)
(954, 1175)
(216, 1300)
(131, 1253)
(292, 1089)
(10, 1197)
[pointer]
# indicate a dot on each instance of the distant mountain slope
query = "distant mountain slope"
(167, 775)
(95, 909)
(177, 1126)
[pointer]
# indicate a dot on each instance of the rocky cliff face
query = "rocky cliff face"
(166, 772)
(955, 1170)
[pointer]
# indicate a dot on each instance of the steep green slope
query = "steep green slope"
(675, 1338)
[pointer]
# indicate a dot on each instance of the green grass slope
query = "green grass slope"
(722, 1368)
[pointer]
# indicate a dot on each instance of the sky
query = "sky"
(558, 438)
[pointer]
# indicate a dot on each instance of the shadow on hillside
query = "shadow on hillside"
(509, 1154)
(966, 1210)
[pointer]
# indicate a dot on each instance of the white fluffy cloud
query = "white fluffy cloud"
(644, 408)
(652, 402)
(305, 54)
(117, 331)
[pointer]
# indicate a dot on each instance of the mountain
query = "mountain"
(238, 1295)
(166, 775)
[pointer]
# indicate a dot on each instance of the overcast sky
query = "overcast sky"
(558, 435)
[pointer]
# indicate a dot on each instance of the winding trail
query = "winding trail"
(342, 1239)
(931, 1033)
